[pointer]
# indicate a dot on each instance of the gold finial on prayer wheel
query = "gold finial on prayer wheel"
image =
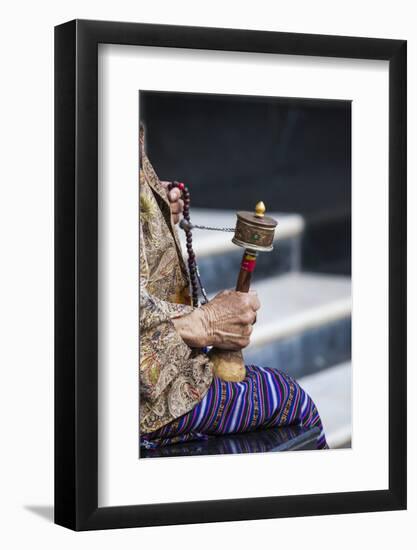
(260, 209)
(254, 230)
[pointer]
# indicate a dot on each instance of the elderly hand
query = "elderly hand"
(176, 203)
(225, 322)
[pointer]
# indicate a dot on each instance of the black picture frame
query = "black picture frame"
(76, 271)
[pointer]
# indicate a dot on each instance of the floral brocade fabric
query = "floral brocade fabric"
(173, 378)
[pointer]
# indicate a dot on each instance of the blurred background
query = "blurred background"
(295, 155)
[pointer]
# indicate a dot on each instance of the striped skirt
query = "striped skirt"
(265, 399)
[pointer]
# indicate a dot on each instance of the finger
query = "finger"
(243, 342)
(177, 207)
(250, 299)
(248, 318)
(227, 336)
(175, 219)
(229, 346)
(174, 195)
(223, 293)
(247, 330)
(254, 300)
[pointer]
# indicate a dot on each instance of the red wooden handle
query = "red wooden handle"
(246, 269)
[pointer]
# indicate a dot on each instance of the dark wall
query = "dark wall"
(294, 154)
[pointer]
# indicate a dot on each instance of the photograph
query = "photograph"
(208, 262)
(245, 274)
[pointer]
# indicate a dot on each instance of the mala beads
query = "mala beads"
(192, 264)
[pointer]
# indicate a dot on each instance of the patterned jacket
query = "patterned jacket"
(173, 377)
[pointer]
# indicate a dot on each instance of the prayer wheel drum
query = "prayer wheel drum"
(254, 230)
(255, 233)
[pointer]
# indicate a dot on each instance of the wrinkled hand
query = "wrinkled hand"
(225, 322)
(176, 203)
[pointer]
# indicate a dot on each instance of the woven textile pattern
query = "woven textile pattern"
(266, 398)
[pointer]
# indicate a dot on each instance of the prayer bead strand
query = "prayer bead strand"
(192, 264)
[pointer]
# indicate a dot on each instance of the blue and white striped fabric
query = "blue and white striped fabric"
(266, 398)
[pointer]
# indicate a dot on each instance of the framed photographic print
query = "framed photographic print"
(230, 251)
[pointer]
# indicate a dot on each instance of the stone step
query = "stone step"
(219, 259)
(296, 301)
(331, 391)
(304, 324)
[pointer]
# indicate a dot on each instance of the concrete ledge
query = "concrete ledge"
(331, 391)
(295, 302)
(307, 352)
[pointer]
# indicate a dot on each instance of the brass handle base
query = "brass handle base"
(228, 365)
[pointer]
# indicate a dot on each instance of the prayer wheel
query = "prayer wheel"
(255, 233)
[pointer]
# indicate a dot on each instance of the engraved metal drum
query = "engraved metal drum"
(254, 232)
